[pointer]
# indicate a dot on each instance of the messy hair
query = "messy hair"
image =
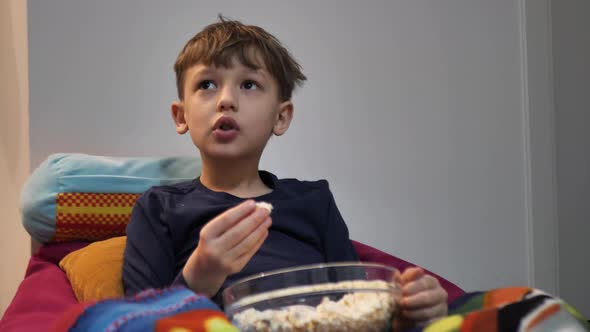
(252, 46)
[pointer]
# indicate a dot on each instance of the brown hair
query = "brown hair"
(219, 42)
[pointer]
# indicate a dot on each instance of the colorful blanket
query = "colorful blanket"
(180, 310)
(509, 309)
(174, 309)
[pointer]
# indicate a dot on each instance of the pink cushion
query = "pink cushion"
(44, 293)
(370, 254)
(55, 252)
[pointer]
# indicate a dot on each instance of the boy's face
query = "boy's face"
(231, 112)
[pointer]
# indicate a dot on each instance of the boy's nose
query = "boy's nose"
(227, 101)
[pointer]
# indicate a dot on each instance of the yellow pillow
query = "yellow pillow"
(95, 270)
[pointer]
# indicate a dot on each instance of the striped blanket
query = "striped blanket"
(180, 310)
(509, 309)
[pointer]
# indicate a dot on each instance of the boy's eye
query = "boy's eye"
(206, 85)
(250, 85)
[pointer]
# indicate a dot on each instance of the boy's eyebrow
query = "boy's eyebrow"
(203, 70)
(258, 71)
(209, 70)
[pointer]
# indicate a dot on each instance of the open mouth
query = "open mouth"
(226, 123)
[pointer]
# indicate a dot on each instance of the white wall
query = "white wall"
(571, 54)
(413, 111)
(14, 145)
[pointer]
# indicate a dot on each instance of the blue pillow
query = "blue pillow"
(81, 173)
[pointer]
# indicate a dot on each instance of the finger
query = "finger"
(424, 283)
(245, 258)
(426, 314)
(397, 277)
(236, 234)
(411, 273)
(250, 241)
(227, 219)
(424, 299)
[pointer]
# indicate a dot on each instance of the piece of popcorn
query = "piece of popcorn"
(265, 205)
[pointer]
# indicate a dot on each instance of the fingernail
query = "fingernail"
(263, 211)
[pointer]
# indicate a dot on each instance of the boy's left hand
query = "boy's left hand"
(423, 298)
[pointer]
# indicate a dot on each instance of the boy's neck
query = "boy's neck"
(239, 179)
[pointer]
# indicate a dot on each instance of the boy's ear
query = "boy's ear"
(284, 118)
(177, 112)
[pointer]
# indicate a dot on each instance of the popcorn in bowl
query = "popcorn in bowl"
(357, 297)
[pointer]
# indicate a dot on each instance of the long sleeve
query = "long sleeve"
(149, 255)
(337, 244)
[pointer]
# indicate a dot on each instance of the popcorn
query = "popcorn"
(368, 310)
(265, 205)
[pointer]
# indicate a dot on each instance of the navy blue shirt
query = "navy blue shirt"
(166, 221)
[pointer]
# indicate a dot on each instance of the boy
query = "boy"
(234, 85)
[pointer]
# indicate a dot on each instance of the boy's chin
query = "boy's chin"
(228, 155)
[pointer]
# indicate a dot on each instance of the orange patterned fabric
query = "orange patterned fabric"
(92, 217)
(199, 320)
(502, 296)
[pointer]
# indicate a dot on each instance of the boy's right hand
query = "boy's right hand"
(226, 245)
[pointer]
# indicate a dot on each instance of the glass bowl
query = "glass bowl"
(321, 297)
